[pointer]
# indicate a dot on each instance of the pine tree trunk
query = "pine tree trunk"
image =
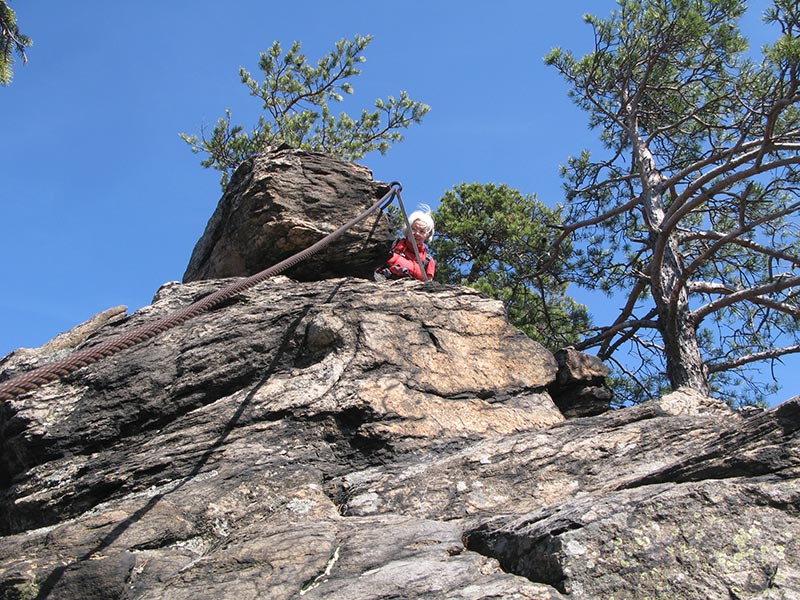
(685, 367)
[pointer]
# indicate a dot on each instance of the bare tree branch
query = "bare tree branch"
(749, 294)
(751, 358)
(707, 287)
(736, 239)
(610, 331)
(626, 311)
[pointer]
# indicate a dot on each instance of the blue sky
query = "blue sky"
(101, 202)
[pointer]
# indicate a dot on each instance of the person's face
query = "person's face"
(419, 231)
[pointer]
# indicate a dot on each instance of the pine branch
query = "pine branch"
(733, 238)
(750, 294)
(736, 239)
(752, 358)
(638, 289)
(607, 332)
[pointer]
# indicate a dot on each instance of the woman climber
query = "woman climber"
(403, 260)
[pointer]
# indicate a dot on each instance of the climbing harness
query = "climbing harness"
(31, 380)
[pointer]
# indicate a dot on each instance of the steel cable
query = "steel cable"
(40, 376)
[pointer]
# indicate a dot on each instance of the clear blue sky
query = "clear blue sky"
(101, 202)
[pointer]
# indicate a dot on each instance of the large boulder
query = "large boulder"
(349, 440)
(200, 464)
(282, 202)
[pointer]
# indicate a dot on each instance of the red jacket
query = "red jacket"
(403, 261)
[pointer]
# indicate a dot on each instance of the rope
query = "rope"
(26, 382)
(410, 238)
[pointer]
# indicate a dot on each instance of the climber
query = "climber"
(403, 260)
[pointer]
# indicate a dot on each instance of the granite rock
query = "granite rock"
(344, 439)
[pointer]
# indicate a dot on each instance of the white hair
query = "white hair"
(423, 215)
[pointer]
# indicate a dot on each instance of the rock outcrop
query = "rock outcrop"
(580, 387)
(349, 440)
(283, 201)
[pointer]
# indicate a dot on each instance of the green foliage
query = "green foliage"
(295, 99)
(11, 41)
(496, 240)
(689, 213)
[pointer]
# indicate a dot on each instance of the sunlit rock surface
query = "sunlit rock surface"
(283, 201)
(344, 439)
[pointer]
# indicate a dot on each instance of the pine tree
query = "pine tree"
(11, 42)
(295, 98)
(691, 211)
(496, 239)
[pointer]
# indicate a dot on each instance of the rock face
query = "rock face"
(349, 440)
(282, 202)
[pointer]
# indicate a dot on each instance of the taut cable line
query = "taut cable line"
(31, 380)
